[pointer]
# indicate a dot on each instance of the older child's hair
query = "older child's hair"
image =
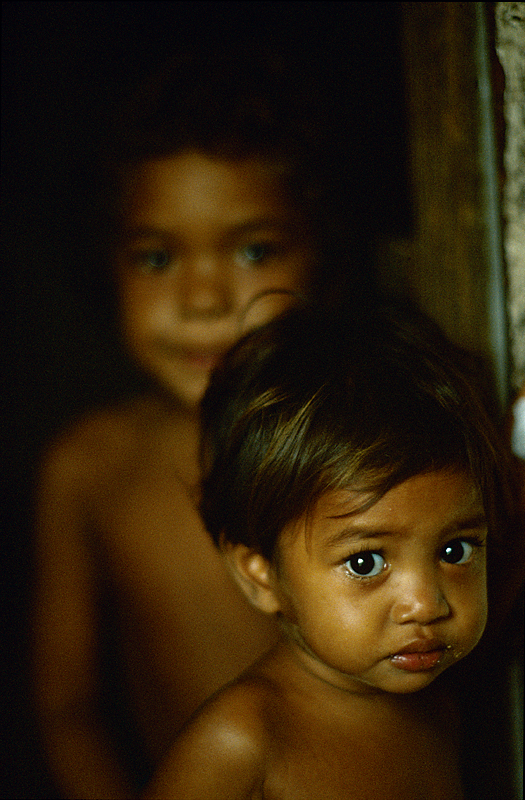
(314, 402)
(241, 104)
(229, 105)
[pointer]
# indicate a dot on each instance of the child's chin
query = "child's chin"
(185, 393)
(410, 682)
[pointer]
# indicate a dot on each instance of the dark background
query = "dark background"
(64, 65)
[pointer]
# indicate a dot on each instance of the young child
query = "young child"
(214, 203)
(354, 486)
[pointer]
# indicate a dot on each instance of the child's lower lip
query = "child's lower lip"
(417, 662)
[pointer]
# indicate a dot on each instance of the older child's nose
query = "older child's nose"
(204, 289)
(419, 598)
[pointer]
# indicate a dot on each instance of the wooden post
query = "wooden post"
(445, 264)
(510, 46)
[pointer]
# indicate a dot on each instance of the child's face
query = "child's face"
(201, 237)
(387, 598)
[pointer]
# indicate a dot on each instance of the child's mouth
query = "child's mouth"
(204, 359)
(418, 662)
(420, 655)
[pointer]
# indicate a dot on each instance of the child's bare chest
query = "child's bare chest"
(410, 761)
(185, 629)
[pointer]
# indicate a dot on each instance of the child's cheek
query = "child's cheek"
(476, 612)
(267, 305)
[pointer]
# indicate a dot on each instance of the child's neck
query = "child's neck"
(297, 667)
(176, 431)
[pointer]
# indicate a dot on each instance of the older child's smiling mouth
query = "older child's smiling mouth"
(204, 358)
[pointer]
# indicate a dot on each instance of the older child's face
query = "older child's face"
(201, 238)
(387, 598)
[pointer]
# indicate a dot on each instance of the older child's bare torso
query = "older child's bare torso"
(176, 626)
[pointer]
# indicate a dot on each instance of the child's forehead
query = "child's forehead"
(195, 176)
(356, 499)
(438, 499)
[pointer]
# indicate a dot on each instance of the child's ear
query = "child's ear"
(253, 574)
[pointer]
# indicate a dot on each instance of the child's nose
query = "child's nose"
(419, 598)
(204, 289)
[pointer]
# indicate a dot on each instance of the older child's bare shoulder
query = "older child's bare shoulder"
(98, 446)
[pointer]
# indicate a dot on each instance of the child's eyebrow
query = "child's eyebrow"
(263, 222)
(357, 532)
(233, 229)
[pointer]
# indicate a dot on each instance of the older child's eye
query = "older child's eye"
(256, 253)
(153, 260)
(459, 551)
(366, 564)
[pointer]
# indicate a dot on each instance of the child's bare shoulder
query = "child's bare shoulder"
(223, 750)
(96, 445)
(248, 707)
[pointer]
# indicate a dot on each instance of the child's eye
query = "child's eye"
(153, 260)
(459, 551)
(366, 564)
(257, 252)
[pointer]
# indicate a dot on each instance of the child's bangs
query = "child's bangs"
(375, 449)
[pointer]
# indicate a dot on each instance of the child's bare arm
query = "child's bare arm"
(65, 636)
(219, 755)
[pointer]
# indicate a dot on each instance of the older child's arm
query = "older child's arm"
(219, 755)
(65, 636)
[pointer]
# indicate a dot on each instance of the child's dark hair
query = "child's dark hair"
(314, 402)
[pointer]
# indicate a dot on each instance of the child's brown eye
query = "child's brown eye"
(366, 564)
(457, 552)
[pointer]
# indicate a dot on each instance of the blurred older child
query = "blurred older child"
(216, 214)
